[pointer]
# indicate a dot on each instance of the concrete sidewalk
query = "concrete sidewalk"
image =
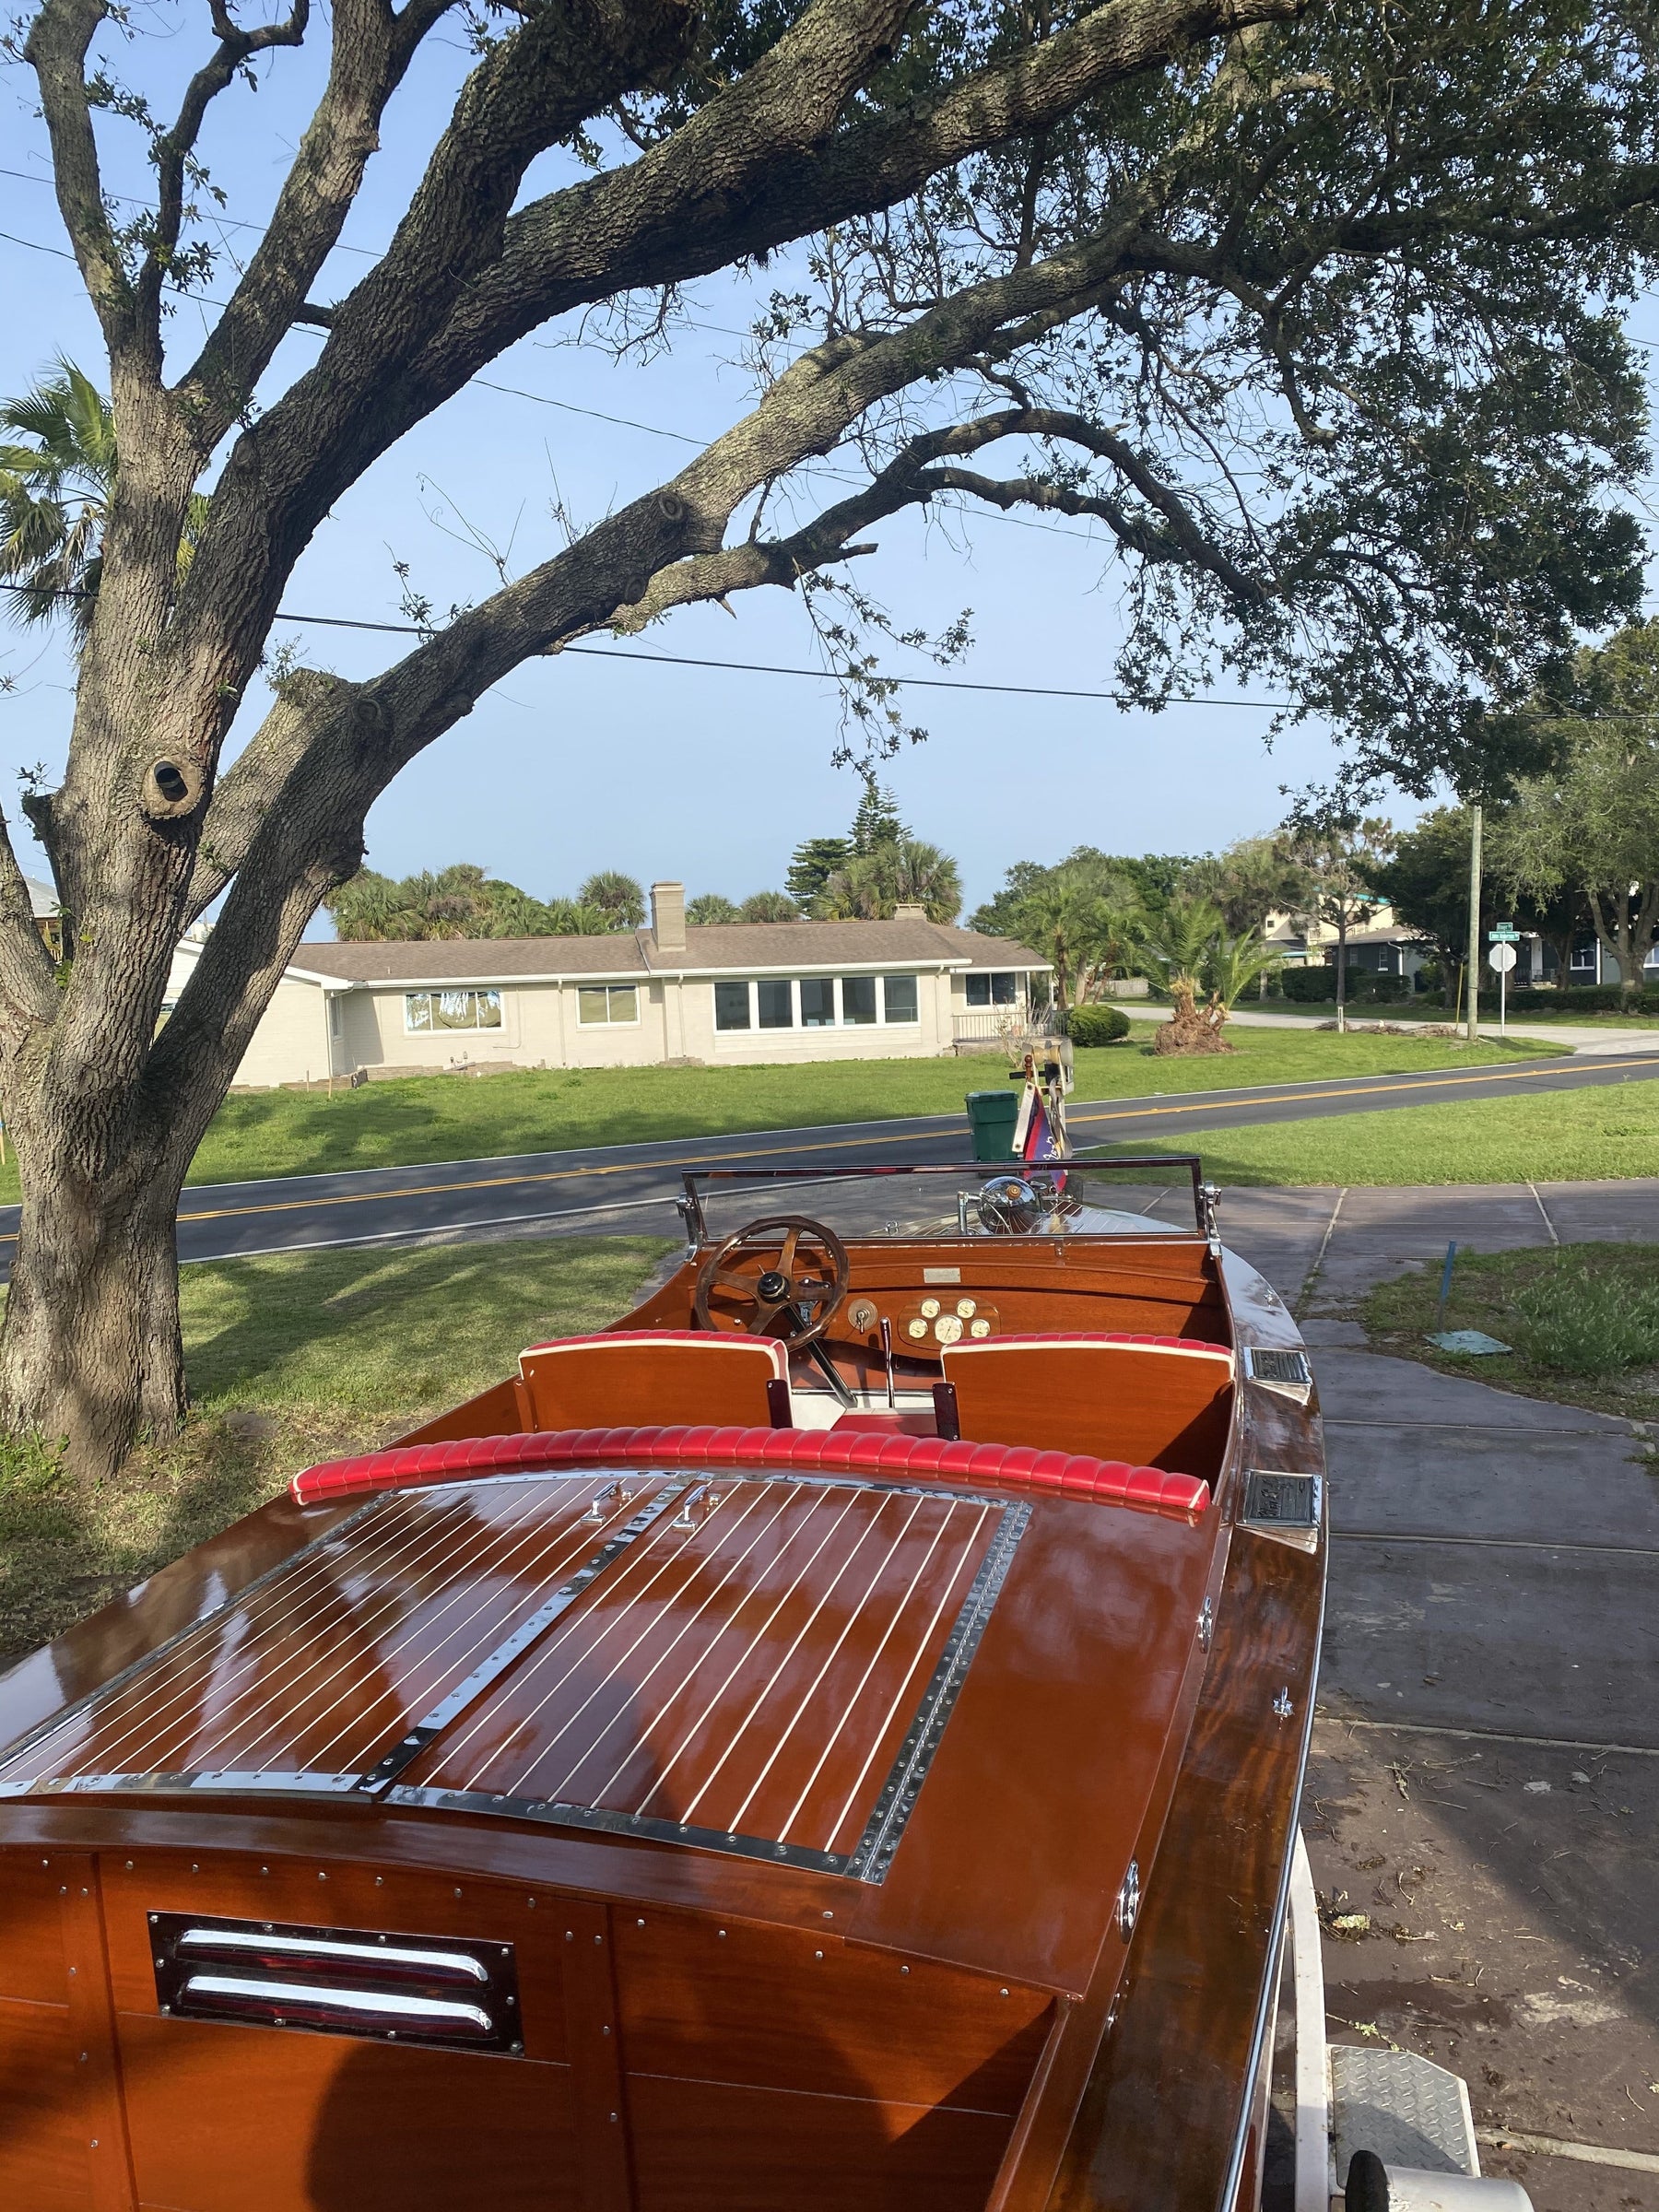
(1484, 1785)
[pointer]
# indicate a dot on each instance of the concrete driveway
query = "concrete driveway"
(1485, 1785)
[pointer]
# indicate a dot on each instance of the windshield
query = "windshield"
(1124, 1197)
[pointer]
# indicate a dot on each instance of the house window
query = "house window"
(336, 1015)
(426, 1011)
(858, 999)
(613, 1003)
(992, 990)
(775, 1000)
(731, 1005)
(817, 1002)
(899, 995)
(1583, 956)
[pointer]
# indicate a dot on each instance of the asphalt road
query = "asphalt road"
(633, 1186)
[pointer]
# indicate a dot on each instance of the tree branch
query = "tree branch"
(57, 50)
(28, 993)
(172, 152)
(757, 167)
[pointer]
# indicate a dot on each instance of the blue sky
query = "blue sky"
(575, 763)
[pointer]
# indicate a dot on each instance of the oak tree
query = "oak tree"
(1311, 309)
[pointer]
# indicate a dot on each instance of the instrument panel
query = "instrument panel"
(931, 1321)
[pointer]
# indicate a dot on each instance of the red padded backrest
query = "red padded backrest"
(851, 1451)
(1161, 1401)
(631, 1376)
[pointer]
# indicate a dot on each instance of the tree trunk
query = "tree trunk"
(91, 1353)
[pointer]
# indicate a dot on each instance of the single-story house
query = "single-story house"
(665, 995)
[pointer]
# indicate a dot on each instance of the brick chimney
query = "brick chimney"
(910, 913)
(668, 916)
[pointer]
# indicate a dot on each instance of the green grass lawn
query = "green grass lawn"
(1581, 1307)
(1572, 1137)
(294, 1357)
(403, 1124)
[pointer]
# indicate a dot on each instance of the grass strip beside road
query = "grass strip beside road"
(1563, 1311)
(420, 1120)
(1589, 1136)
(294, 1357)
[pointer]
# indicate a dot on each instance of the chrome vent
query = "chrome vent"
(1288, 1507)
(1282, 1370)
(401, 1989)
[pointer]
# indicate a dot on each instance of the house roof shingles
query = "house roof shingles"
(728, 948)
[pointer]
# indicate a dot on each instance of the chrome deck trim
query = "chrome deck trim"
(873, 1855)
(1276, 1367)
(494, 1664)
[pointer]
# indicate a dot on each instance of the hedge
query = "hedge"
(1578, 998)
(1095, 1025)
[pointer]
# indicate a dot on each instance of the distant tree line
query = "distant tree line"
(464, 901)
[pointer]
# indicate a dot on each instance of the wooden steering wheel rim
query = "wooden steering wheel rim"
(790, 1228)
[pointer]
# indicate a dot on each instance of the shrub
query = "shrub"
(1578, 998)
(1309, 986)
(1581, 1324)
(1094, 1025)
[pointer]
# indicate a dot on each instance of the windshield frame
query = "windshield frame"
(697, 1234)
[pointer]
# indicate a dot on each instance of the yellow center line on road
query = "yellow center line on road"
(1195, 1104)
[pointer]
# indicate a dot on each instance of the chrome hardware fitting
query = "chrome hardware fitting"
(1206, 1625)
(1282, 1705)
(1128, 1900)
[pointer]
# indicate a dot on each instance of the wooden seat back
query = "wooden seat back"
(1158, 1401)
(646, 1377)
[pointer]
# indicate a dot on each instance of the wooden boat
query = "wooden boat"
(831, 1741)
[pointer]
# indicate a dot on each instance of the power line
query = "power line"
(820, 675)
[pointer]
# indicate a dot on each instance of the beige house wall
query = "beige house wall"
(310, 1032)
(291, 1044)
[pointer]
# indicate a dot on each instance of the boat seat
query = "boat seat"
(648, 1377)
(1158, 1401)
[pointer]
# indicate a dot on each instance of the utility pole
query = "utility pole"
(1473, 1030)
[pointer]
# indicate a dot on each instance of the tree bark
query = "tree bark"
(91, 1355)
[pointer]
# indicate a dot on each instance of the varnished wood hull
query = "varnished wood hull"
(983, 2030)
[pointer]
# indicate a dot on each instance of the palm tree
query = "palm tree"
(1179, 943)
(768, 906)
(55, 500)
(1234, 963)
(710, 907)
(619, 896)
(1082, 935)
(895, 872)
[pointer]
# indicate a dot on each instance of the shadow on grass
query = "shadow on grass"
(292, 1358)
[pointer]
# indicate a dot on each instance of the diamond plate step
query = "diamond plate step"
(1411, 2111)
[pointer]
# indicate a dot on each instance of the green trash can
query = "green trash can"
(990, 1118)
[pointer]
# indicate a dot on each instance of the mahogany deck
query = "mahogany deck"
(749, 1682)
(500, 1700)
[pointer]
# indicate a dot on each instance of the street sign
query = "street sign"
(1502, 958)
(1503, 932)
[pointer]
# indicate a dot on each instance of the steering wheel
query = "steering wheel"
(758, 1268)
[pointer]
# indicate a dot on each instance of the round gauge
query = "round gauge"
(930, 1306)
(967, 1308)
(948, 1328)
(915, 1330)
(979, 1328)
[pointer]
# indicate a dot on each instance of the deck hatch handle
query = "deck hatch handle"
(458, 1993)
